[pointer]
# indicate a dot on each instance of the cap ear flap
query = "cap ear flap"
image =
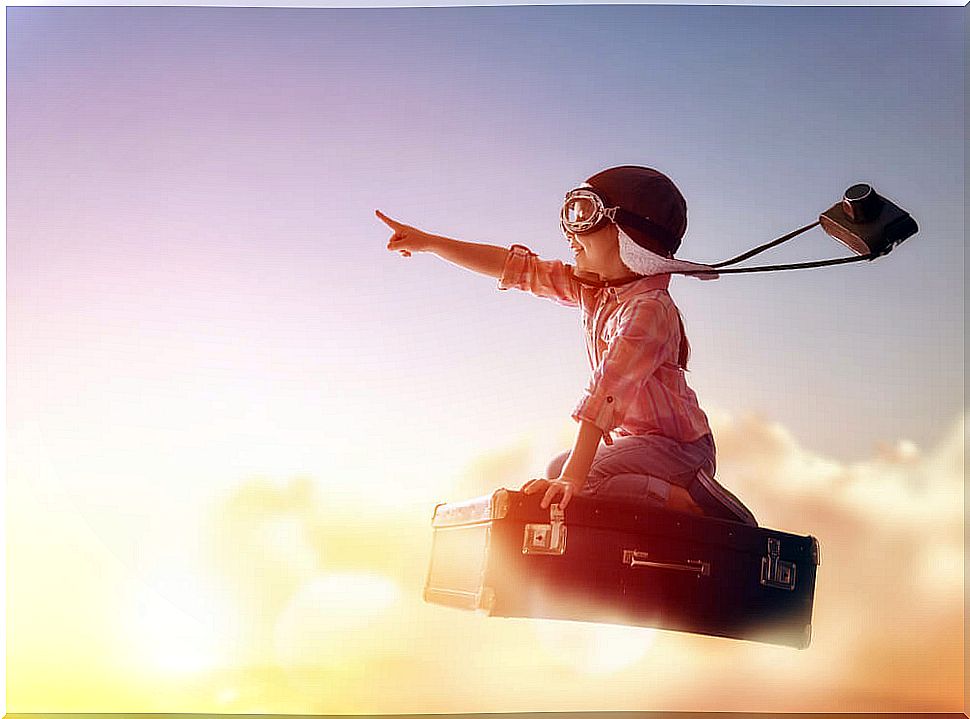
(646, 240)
(642, 261)
(636, 257)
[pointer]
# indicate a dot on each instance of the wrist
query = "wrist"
(574, 479)
(436, 244)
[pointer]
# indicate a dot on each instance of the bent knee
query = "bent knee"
(554, 469)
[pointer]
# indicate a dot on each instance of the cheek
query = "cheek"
(598, 248)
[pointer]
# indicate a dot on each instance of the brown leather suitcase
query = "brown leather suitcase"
(603, 561)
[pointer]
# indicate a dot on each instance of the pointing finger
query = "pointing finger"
(393, 224)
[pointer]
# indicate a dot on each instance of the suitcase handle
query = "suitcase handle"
(636, 558)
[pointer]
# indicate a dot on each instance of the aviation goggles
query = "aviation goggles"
(584, 211)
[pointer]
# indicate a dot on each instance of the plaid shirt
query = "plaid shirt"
(632, 340)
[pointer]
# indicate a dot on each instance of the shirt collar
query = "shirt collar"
(645, 284)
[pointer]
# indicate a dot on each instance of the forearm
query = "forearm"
(484, 259)
(580, 460)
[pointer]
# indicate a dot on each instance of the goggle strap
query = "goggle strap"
(624, 217)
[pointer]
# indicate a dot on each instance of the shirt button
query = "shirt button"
(609, 399)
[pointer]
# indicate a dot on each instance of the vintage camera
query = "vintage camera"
(866, 222)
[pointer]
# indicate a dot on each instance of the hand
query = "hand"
(406, 239)
(553, 487)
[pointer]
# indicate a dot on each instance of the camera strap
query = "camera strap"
(766, 246)
(746, 255)
(772, 268)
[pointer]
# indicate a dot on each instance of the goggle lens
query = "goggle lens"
(581, 211)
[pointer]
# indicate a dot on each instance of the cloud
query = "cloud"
(785, 482)
(328, 597)
(330, 621)
(284, 550)
(889, 595)
(504, 467)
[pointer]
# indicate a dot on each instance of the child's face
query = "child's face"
(595, 252)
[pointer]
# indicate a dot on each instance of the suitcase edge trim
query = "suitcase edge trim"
(486, 508)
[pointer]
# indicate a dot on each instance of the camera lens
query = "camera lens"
(858, 192)
(861, 203)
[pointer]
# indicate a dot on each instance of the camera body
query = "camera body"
(866, 222)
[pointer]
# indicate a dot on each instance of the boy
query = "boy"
(624, 226)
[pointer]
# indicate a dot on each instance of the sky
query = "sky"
(224, 395)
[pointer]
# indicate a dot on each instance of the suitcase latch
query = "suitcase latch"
(774, 571)
(546, 538)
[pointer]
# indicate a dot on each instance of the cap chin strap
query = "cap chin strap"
(606, 283)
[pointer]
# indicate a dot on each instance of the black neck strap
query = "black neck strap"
(606, 283)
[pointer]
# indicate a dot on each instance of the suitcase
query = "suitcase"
(607, 561)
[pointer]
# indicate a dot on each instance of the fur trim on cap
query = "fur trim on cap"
(644, 262)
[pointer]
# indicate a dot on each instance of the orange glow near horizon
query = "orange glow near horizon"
(276, 599)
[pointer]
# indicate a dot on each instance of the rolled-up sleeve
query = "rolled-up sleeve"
(633, 354)
(550, 279)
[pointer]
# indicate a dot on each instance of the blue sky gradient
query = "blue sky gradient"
(250, 146)
(206, 332)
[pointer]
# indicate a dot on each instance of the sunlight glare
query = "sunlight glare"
(594, 648)
(171, 638)
(331, 619)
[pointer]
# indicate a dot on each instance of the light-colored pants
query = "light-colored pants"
(642, 469)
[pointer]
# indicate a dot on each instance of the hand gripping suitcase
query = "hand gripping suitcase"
(607, 561)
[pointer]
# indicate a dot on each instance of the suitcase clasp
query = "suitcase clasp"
(547, 538)
(774, 571)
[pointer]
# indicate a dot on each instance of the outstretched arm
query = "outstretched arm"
(516, 267)
(484, 259)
